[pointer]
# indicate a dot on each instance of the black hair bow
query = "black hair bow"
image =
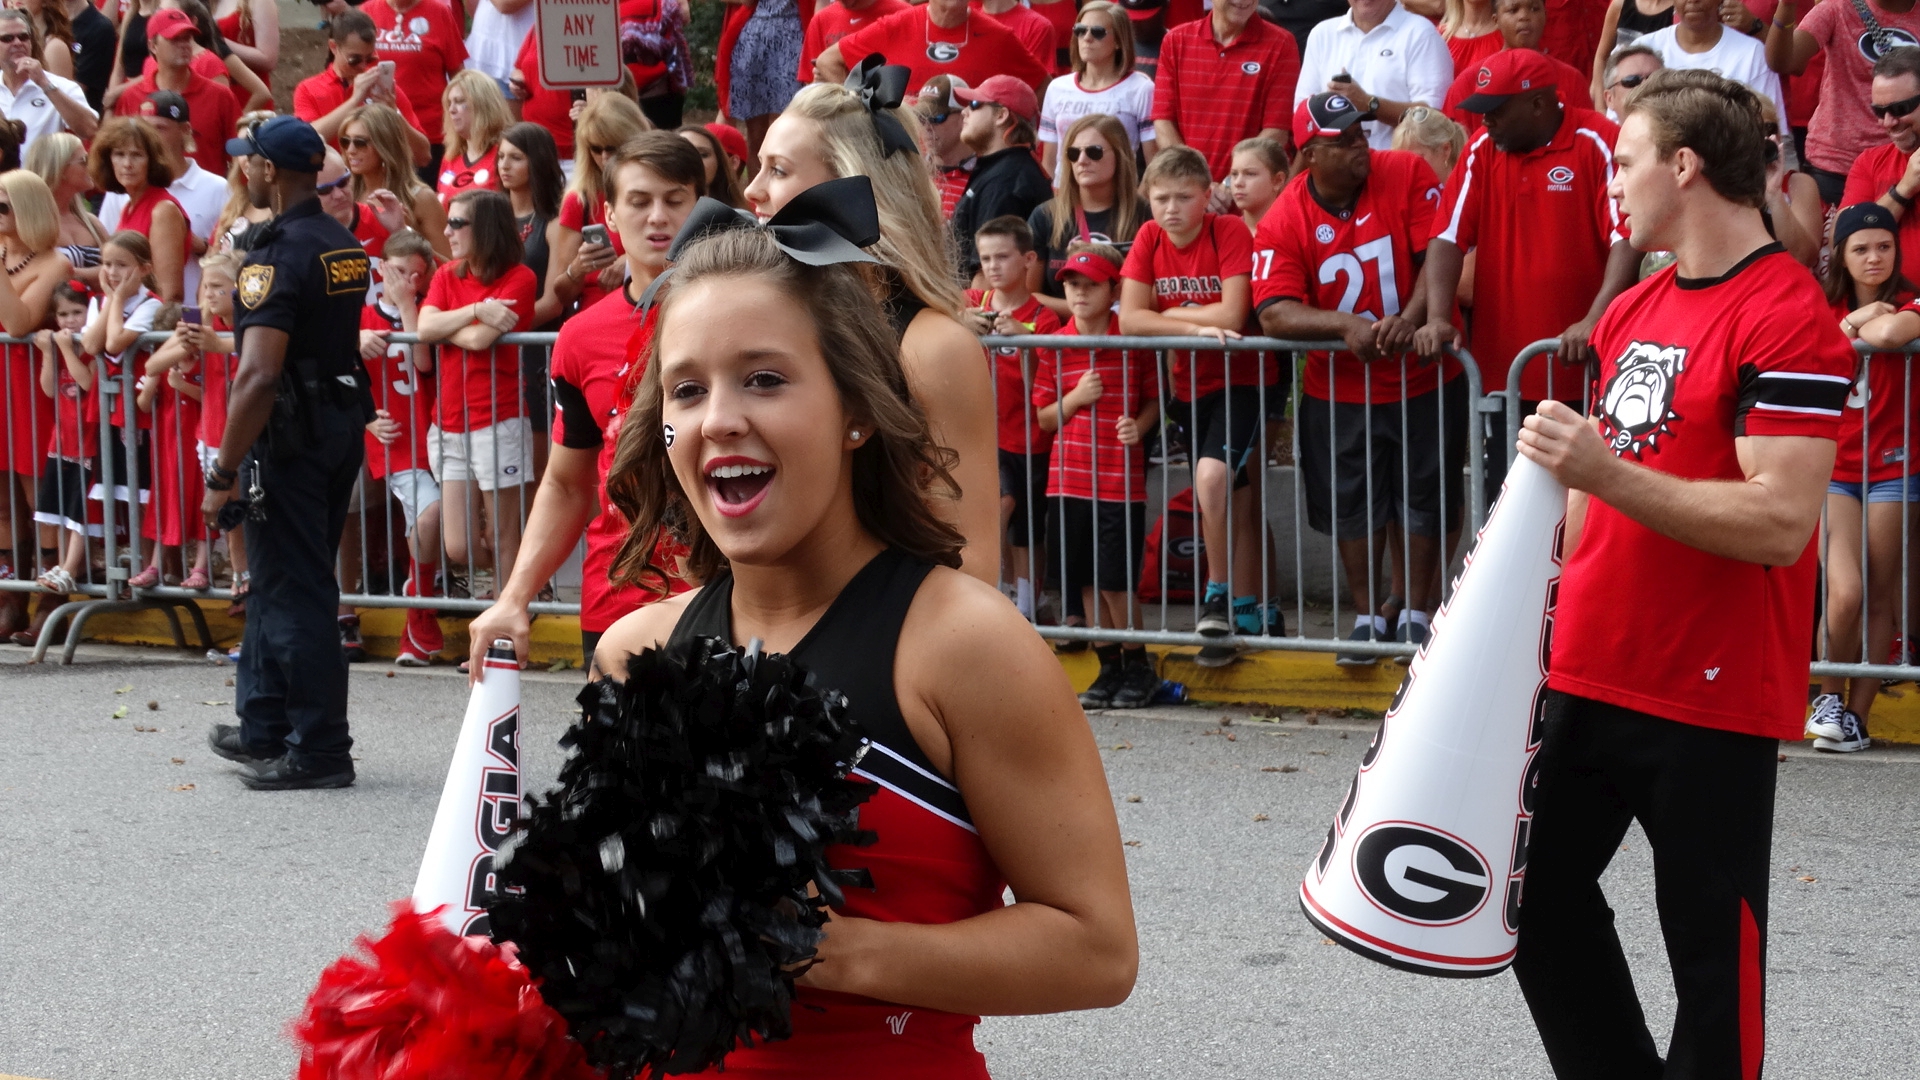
(825, 225)
(883, 86)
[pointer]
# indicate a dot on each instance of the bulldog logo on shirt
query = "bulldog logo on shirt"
(1636, 407)
(1874, 46)
(1251, 67)
(943, 52)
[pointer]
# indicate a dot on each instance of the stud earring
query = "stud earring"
(854, 435)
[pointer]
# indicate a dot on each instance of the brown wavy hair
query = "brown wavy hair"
(896, 471)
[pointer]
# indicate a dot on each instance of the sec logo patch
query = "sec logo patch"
(254, 284)
(943, 52)
(1251, 67)
(1324, 233)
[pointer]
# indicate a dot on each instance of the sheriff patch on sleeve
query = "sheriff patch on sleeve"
(348, 271)
(254, 284)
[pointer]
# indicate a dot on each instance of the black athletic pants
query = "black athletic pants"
(1705, 799)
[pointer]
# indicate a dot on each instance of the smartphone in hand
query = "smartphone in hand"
(191, 315)
(594, 234)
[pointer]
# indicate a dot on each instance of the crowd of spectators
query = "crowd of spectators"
(1381, 172)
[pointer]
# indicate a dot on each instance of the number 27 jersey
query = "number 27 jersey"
(1363, 262)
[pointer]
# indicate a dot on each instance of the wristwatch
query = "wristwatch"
(219, 479)
(1373, 103)
(1894, 193)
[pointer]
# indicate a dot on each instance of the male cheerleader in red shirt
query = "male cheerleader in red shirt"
(1685, 615)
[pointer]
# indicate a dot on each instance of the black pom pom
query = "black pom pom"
(661, 893)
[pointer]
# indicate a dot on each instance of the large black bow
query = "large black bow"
(882, 87)
(825, 225)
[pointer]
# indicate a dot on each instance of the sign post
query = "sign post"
(579, 43)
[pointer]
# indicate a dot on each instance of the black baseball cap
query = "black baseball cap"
(1327, 115)
(165, 104)
(287, 141)
(1864, 215)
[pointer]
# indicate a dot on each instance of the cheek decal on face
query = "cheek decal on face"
(666, 431)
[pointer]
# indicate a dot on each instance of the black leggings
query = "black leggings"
(1705, 799)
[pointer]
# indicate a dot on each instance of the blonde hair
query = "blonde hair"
(226, 262)
(1454, 14)
(488, 115)
(387, 131)
(605, 120)
(1177, 163)
(915, 243)
(47, 158)
(1126, 186)
(1119, 25)
(1422, 125)
(36, 220)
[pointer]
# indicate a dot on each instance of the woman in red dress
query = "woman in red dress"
(127, 158)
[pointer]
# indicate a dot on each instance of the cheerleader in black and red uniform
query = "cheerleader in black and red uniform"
(800, 474)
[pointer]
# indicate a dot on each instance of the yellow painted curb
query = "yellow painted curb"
(1293, 680)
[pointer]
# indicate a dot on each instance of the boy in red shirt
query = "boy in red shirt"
(1008, 307)
(1187, 276)
(1099, 401)
(397, 448)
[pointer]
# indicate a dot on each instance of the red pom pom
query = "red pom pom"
(433, 1006)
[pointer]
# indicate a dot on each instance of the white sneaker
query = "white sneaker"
(409, 658)
(1853, 737)
(1824, 721)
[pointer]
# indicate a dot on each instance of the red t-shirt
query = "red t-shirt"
(1061, 15)
(1220, 94)
(404, 392)
(1501, 205)
(207, 66)
(1089, 461)
(1192, 277)
(1573, 31)
(323, 93)
(1873, 172)
(1843, 126)
(479, 389)
(1468, 52)
(951, 182)
(1361, 262)
(1029, 26)
(975, 52)
(368, 230)
(1803, 90)
(835, 21)
(427, 51)
(1019, 434)
(1570, 88)
(1879, 397)
(459, 175)
(575, 215)
(212, 112)
(551, 109)
(1686, 368)
(216, 372)
(70, 436)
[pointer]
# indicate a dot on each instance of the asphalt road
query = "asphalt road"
(158, 919)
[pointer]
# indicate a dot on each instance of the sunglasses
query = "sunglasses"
(6, 209)
(10, 39)
(1097, 33)
(458, 223)
(601, 151)
(1628, 81)
(1093, 153)
(1880, 112)
(353, 61)
(355, 142)
(940, 118)
(330, 188)
(977, 104)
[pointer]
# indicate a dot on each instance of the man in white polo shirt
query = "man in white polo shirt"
(1382, 57)
(201, 194)
(33, 95)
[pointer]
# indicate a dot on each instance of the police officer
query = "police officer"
(296, 410)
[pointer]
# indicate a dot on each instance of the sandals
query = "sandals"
(197, 580)
(145, 579)
(58, 582)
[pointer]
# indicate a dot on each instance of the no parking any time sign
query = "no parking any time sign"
(579, 43)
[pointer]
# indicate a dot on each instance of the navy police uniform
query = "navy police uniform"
(307, 276)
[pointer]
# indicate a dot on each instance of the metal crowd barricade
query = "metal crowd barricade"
(1165, 626)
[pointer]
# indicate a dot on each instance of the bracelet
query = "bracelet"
(1778, 23)
(214, 481)
(1847, 325)
(1894, 193)
(571, 276)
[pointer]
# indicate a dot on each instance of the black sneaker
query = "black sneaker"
(1360, 633)
(1853, 738)
(224, 740)
(1414, 634)
(1216, 618)
(281, 774)
(1100, 694)
(350, 639)
(1276, 619)
(1137, 684)
(1217, 656)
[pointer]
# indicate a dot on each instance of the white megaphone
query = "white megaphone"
(1422, 866)
(478, 803)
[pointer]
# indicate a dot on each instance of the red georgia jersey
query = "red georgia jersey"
(405, 394)
(1195, 276)
(1687, 367)
(1019, 433)
(1878, 430)
(1362, 262)
(1089, 460)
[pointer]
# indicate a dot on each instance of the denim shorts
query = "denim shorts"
(1880, 491)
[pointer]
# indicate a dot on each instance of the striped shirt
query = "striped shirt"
(1220, 94)
(1089, 461)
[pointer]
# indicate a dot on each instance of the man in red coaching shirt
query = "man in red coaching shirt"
(212, 108)
(940, 37)
(1685, 612)
(1382, 436)
(1530, 197)
(835, 21)
(353, 78)
(1890, 173)
(1521, 24)
(424, 41)
(1222, 79)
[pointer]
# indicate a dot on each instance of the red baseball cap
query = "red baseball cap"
(1007, 91)
(730, 138)
(1506, 73)
(1142, 10)
(168, 23)
(1090, 265)
(1327, 115)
